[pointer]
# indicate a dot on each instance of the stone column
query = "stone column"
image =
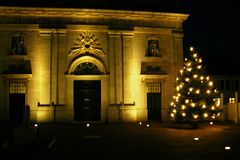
(115, 65)
(128, 61)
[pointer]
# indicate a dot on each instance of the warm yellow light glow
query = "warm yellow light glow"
(186, 79)
(172, 103)
(207, 78)
(193, 104)
(195, 116)
(183, 107)
(210, 83)
(148, 125)
(201, 77)
(196, 138)
(177, 78)
(183, 114)
(140, 123)
(181, 71)
(186, 100)
(213, 116)
(172, 115)
(189, 69)
(231, 100)
(200, 60)
(88, 125)
(190, 89)
(195, 76)
(213, 108)
(179, 94)
(177, 88)
(174, 111)
(191, 49)
(211, 123)
(199, 67)
(189, 64)
(195, 55)
(197, 91)
(204, 106)
(208, 91)
(35, 125)
(205, 115)
(185, 59)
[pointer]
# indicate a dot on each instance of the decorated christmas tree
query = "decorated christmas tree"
(196, 98)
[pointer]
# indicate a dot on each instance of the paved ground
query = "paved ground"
(122, 141)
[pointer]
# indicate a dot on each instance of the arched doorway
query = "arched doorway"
(87, 78)
(87, 94)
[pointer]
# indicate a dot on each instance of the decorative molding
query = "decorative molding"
(87, 43)
(93, 13)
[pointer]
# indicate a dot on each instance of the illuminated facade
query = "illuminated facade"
(87, 64)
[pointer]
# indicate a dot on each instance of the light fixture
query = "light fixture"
(196, 138)
(227, 147)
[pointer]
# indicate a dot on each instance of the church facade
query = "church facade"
(88, 65)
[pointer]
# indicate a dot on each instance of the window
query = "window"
(17, 88)
(153, 87)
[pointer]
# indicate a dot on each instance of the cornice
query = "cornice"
(92, 13)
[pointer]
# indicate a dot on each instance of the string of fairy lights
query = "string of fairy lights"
(196, 97)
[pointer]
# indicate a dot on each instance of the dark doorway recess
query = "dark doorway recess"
(154, 106)
(16, 104)
(87, 100)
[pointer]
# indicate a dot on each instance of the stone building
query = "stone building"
(88, 64)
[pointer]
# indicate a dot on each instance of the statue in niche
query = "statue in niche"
(153, 48)
(17, 47)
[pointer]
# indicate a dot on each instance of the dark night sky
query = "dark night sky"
(212, 26)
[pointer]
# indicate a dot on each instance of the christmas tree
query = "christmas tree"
(196, 97)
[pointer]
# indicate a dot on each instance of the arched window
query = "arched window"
(87, 68)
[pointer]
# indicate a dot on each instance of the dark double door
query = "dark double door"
(87, 100)
(16, 104)
(154, 106)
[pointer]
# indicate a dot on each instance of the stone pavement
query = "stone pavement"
(123, 141)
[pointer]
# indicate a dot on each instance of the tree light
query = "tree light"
(205, 115)
(183, 107)
(193, 104)
(210, 83)
(195, 116)
(191, 49)
(186, 79)
(197, 91)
